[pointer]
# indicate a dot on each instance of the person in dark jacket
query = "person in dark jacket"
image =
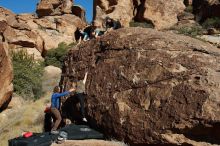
(55, 106)
(83, 35)
(111, 24)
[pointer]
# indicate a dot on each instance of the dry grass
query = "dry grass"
(29, 117)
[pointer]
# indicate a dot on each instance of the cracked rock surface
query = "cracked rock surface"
(143, 84)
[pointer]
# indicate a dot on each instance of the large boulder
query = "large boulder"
(144, 85)
(51, 78)
(6, 86)
(54, 7)
(24, 39)
(45, 7)
(7, 14)
(79, 11)
(162, 14)
(118, 9)
(6, 18)
(206, 9)
(66, 7)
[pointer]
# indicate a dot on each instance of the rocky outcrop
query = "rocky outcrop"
(162, 14)
(6, 86)
(117, 9)
(144, 85)
(79, 11)
(186, 20)
(51, 78)
(37, 35)
(206, 9)
(54, 7)
(215, 40)
(56, 29)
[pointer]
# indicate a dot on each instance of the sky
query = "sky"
(29, 6)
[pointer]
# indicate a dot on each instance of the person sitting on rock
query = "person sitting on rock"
(111, 24)
(83, 35)
(80, 94)
(97, 32)
(55, 106)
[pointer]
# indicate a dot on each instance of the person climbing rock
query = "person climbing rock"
(80, 94)
(111, 24)
(55, 105)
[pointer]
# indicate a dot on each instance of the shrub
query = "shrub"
(56, 56)
(190, 31)
(27, 75)
(212, 22)
(141, 24)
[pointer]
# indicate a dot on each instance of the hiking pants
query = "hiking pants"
(57, 115)
(81, 97)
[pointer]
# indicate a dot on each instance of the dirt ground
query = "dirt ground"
(91, 142)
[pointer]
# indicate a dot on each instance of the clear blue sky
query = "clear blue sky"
(29, 6)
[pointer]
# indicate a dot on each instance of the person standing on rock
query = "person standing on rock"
(80, 94)
(55, 106)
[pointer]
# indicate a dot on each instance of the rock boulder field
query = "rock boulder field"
(39, 34)
(6, 86)
(146, 86)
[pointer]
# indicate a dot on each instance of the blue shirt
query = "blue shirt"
(55, 99)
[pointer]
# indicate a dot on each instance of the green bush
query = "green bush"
(190, 31)
(56, 56)
(212, 22)
(141, 24)
(27, 75)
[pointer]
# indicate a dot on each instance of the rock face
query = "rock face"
(54, 7)
(215, 40)
(206, 9)
(37, 35)
(117, 9)
(80, 12)
(6, 86)
(143, 84)
(162, 14)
